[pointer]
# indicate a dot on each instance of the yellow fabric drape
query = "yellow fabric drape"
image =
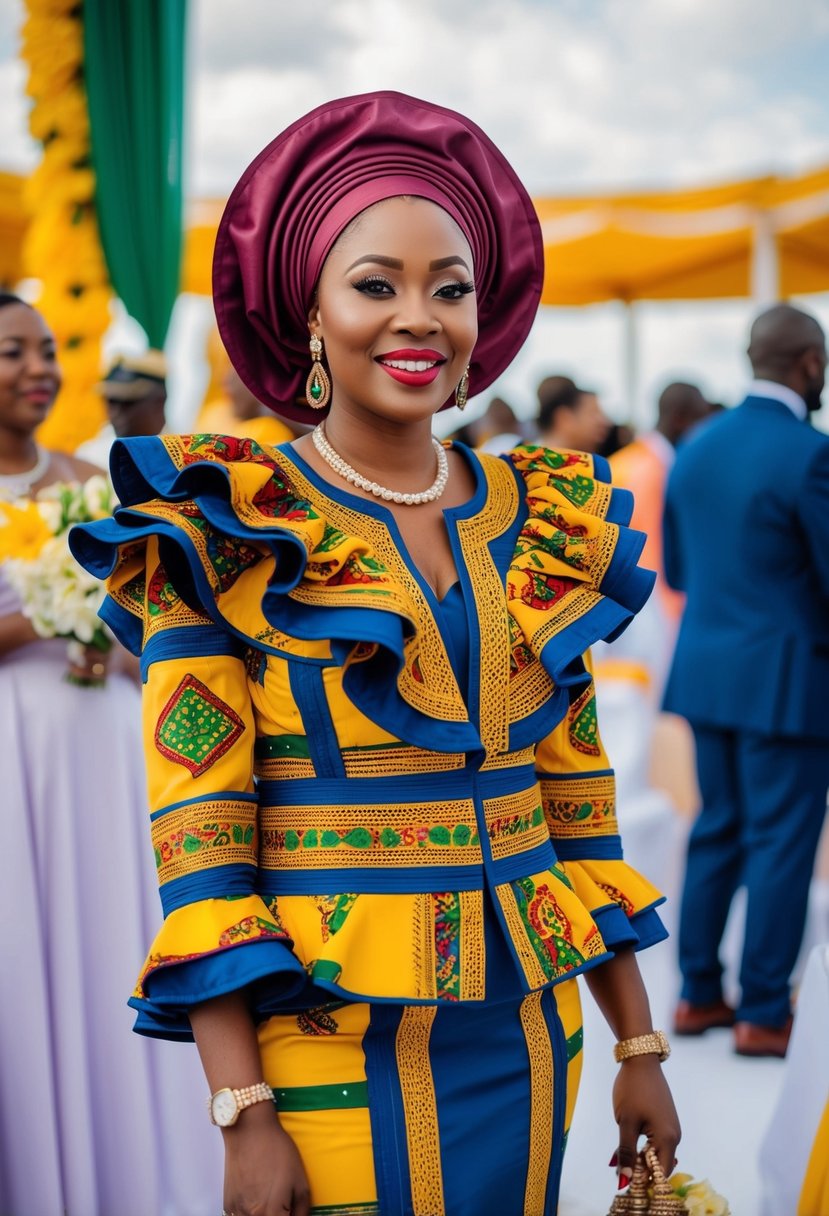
(814, 1198)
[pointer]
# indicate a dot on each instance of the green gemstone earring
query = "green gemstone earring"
(462, 391)
(317, 386)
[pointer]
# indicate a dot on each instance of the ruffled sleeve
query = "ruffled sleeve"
(574, 577)
(574, 580)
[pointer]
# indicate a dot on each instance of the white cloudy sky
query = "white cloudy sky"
(581, 95)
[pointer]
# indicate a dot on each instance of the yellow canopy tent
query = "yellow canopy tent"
(764, 239)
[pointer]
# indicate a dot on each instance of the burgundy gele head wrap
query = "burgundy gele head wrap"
(304, 189)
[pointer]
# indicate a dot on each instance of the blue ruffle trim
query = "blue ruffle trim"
(142, 469)
(618, 930)
(271, 975)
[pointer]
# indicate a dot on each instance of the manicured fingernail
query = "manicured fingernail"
(624, 1179)
(614, 1160)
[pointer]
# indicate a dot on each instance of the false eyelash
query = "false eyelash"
(369, 280)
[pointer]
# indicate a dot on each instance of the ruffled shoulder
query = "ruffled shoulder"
(237, 544)
(573, 579)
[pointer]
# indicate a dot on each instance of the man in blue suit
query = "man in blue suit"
(747, 539)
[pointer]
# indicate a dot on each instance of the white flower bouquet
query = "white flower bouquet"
(57, 595)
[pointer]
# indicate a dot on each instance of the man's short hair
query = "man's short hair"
(556, 393)
(133, 377)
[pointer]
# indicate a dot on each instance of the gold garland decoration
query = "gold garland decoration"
(62, 247)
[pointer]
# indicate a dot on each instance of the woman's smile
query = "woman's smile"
(413, 367)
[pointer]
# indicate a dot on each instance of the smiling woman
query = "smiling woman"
(74, 888)
(382, 814)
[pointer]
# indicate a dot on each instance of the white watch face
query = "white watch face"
(225, 1108)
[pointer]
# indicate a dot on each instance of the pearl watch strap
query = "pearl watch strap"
(655, 1043)
(247, 1095)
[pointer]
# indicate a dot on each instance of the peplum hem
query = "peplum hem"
(416, 948)
(198, 954)
(622, 902)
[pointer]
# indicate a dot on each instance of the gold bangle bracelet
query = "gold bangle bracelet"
(655, 1043)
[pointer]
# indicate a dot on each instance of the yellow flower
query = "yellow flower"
(702, 1200)
(53, 47)
(23, 531)
(64, 112)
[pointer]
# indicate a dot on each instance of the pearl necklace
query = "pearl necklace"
(351, 475)
(18, 485)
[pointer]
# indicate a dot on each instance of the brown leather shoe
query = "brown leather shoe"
(753, 1040)
(696, 1019)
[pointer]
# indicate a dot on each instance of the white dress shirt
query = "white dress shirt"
(779, 392)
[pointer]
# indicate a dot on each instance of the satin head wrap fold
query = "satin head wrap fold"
(307, 185)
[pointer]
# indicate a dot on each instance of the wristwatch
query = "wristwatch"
(226, 1105)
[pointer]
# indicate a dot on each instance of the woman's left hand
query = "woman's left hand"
(87, 664)
(643, 1106)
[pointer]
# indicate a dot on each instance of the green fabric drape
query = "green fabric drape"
(134, 71)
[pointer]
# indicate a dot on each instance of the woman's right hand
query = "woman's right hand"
(264, 1175)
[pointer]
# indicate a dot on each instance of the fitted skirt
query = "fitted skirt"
(419, 1110)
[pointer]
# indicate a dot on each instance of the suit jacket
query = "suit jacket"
(747, 539)
(329, 807)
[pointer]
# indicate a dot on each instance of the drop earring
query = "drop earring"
(317, 386)
(462, 391)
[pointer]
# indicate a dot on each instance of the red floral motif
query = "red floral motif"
(222, 447)
(247, 930)
(352, 573)
(539, 591)
(618, 897)
(548, 928)
(277, 500)
(161, 596)
(318, 1021)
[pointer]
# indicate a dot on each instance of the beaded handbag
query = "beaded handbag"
(649, 1193)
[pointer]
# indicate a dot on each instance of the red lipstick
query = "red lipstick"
(415, 368)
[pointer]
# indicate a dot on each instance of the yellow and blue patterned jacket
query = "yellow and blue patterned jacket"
(340, 806)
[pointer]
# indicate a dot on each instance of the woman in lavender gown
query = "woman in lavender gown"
(93, 1120)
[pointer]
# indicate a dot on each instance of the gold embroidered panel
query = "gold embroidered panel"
(417, 1089)
(387, 761)
(216, 832)
(284, 768)
(580, 807)
(530, 964)
(449, 947)
(502, 760)
(393, 835)
(542, 1083)
(515, 823)
(476, 535)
